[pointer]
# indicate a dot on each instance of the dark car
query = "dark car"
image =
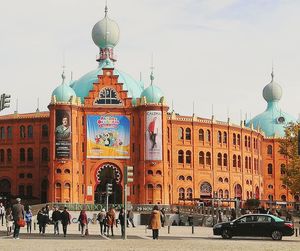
(262, 225)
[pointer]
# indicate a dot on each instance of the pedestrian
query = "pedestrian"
(155, 223)
(163, 217)
(2, 212)
(56, 218)
(82, 219)
(130, 217)
(65, 220)
(18, 216)
(28, 219)
(220, 214)
(102, 221)
(110, 221)
(288, 216)
(9, 220)
(42, 220)
(121, 219)
(233, 214)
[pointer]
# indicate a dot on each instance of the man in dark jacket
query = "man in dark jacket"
(56, 217)
(17, 213)
(65, 220)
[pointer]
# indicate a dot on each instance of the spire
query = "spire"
(105, 9)
(63, 76)
(272, 73)
(152, 68)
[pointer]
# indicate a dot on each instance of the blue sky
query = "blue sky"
(216, 52)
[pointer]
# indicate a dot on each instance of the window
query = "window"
(181, 193)
(9, 155)
(246, 163)
(45, 156)
(158, 172)
(9, 132)
(168, 133)
(29, 191)
(226, 194)
(269, 149)
(180, 156)
(201, 158)
(270, 186)
(220, 180)
(21, 191)
(207, 135)
(283, 187)
(181, 177)
(219, 137)
(249, 142)
(283, 197)
(22, 154)
(2, 133)
(234, 139)
(226, 180)
(238, 139)
(2, 155)
(180, 133)
(189, 178)
(188, 134)
(108, 96)
(239, 161)
(246, 141)
(208, 158)
(30, 131)
(270, 197)
(150, 172)
(45, 132)
(225, 138)
(22, 132)
(29, 175)
(201, 135)
(189, 193)
(282, 169)
(270, 169)
(234, 160)
(219, 159)
(58, 170)
(168, 156)
(29, 154)
(67, 171)
(21, 175)
(220, 193)
(188, 157)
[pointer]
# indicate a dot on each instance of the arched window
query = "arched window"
(29, 175)
(29, 154)
(29, 191)
(21, 191)
(168, 156)
(201, 158)
(108, 96)
(180, 156)
(181, 177)
(226, 194)
(270, 186)
(1, 155)
(9, 132)
(250, 164)
(238, 139)
(224, 137)
(45, 155)
(168, 133)
(189, 178)
(270, 169)
(219, 137)
(22, 154)
(208, 135)
(220, 193)
(270, 197)
(2, 133)
(67, 191)
(30, 131)
(208, 158)
(181, 193)
(246, 141)
(234, 160)
(283, 197)
(201, 135)
(296, 198)
(58, 170)
(158, 172)
(283, 186)
(219, 159)
(249, 142)
(45, 131)
(67, 171)
(225, 159)
(220, 180)
(189, 194)
(239, 161)
(205, 189)
(150, 172)
(226, 180)
(246, 162)
(9, 155)
(282, 169)
(188, 157)
(180, 133)
(22, 132)
(188, 134)
(58, 192)
(238, 191)
(234, 139)
(150, 193)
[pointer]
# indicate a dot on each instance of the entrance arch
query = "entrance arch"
(205, 190)
(5, 189)
(238, 192)
(108, 173)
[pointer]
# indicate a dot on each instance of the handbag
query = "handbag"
(21, 223)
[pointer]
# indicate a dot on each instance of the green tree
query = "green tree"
(289, 148)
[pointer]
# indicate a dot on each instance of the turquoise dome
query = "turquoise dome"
(63, 93)
(83, 85)
(273, 120)
(152, 93)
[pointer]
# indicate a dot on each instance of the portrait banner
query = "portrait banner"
(153, 135)
(63, 134)
(108, 136)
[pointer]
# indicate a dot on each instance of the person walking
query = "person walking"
(65, 220)
(111, 220)
(121, 219)
(42, 220)
(155, 223)
(102, 221)
(2, 212)
(163, 217)
(56, 217)
(233, 214)
(130, 217)
(28, 219)
(82, 219)
(9, 220)
(18, 214)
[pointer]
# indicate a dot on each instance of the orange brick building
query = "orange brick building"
(106, 120)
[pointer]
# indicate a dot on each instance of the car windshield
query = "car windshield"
(277, 219)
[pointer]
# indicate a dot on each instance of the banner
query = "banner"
(108, 136)
(153, 135)
(63, 134)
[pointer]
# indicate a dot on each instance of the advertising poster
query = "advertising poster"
(108, 136)
(153, 135)
(63, 134)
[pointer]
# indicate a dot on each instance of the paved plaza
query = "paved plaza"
(180, 238)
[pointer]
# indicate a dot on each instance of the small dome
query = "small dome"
(63, 93)
(272, 92)
(152, 93)
(106, 33)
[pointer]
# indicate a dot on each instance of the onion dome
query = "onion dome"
(64, 92)
(273, 120)
(152, 93)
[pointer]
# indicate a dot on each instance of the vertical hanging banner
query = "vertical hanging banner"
(153, 135)
(108, 136)
(63, 134)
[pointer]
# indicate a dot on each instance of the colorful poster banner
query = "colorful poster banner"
(63, 134)
(153, 135)
(108, 136)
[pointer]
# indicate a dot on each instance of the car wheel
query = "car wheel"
(226, 234)
(276, 235)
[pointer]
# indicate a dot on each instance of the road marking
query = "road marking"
(144, 237)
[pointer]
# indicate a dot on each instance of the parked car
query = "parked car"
(262, 225)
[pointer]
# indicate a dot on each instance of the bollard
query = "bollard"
(146, 229)
(34, 226)
(169, 228)
(296, 232)
(193, 230)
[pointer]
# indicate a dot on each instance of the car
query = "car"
(256, 225)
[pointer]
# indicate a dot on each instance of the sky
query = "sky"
(216, 54)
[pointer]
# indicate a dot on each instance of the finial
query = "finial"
(152, 68)
(38, 105)
(63, 75)
(272, 74)
(106, 9)
(193, 107)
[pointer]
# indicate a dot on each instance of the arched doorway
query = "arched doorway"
(238, 191)
(5, 190)
(108, 173)
(205, 190)
(44, 191)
